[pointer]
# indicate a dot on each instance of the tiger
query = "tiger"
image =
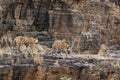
(60, 45)
(25, 39)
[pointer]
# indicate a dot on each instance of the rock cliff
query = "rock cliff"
(90, 26)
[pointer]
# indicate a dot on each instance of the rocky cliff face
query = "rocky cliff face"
(62, 16)
(85, 24)
(33, 14)
(25, 15)
(88, 23)
(57, 68)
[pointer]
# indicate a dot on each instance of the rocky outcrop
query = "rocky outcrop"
(88, 23)
(70, 19)
(25, 15)
(85, 24)
(72, 66)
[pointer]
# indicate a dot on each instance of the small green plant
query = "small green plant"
(57, 2)
(65, 78)
(56, 63)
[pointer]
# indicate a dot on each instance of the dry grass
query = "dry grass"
(56, 63)
(41, 49)
(91, 56)
(102, 49)
(6, 40)
(2, 51)
(38, 59)
(75, 45)
(6, 50)
(23, 48)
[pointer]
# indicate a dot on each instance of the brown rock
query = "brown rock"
(17, 11)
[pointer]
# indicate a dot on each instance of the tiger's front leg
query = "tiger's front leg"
(18, 46)
(32, 49)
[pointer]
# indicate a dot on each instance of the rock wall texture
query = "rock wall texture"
(29, 15)
(88, 23)
(85, 24)
(69, 19)
(25, 15)
(73, 68)
(64, 17)
(86, 15)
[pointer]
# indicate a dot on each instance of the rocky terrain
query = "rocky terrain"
(52, 67)
(90, 27)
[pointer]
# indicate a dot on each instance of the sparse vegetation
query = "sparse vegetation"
(56, 64)
(102, 49)
(65, 78)
(38, 59)
(57, 2)
(1, 52)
